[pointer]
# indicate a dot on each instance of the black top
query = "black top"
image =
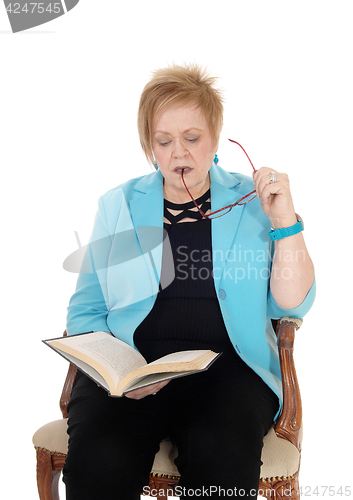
(186, 314)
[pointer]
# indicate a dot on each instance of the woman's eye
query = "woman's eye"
(163, 143)
(194, 139)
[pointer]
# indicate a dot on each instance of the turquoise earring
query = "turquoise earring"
(155, 165)
(216, 160)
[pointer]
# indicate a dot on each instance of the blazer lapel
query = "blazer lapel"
(147, 203)
(146, 209)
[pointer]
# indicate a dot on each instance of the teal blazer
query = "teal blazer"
(116, 294)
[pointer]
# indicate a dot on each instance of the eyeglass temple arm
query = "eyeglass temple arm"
(235, 142)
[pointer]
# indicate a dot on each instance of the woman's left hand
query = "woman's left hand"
(276, 199)
(146, 391)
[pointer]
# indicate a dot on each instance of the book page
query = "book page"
(112, 354)
(154, 378)
(179, 357)
(188, 362)
(115, 356)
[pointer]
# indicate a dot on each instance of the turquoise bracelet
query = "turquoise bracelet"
(284, 232)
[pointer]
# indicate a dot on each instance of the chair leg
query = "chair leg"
(55, 485)
(46, 476)
(162, 486)
(280, 488)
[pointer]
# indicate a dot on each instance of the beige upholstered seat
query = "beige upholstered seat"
(279, 457)
(280, 454)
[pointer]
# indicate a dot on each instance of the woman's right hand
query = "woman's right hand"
(146, 391)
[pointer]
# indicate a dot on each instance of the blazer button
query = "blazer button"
(222, 294)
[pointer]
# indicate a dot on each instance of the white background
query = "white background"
(69, 91)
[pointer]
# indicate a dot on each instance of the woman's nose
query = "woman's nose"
(179, 150)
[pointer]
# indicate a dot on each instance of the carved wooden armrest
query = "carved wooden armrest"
(68, 385)
(289, 423)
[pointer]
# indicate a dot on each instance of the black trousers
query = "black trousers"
(217, 419)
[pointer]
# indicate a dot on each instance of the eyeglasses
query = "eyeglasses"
(223, 211)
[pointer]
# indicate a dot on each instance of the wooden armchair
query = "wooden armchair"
(280, 454)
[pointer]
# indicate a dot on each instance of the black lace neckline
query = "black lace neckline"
(187, 209)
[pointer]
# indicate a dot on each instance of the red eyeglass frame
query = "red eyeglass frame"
(228, 207)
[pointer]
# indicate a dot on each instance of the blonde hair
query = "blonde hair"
(178, 85)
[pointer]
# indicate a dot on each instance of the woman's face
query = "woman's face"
(182, 139)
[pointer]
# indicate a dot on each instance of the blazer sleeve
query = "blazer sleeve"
(87, 311)
(274, 311)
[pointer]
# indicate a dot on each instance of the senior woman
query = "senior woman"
(220, 278)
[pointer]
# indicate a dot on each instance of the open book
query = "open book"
(119, 368)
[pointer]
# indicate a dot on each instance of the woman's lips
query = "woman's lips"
(184, 170)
